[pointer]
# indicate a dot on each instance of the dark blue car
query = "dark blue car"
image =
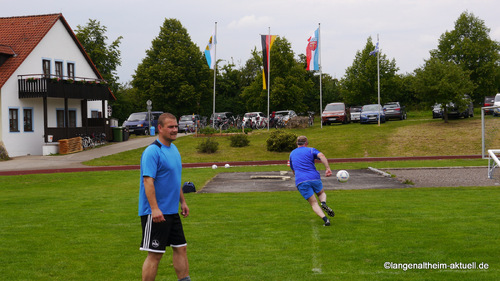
(370, 114)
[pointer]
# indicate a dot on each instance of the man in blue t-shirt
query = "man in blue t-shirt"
(308, 179)
(159, 197)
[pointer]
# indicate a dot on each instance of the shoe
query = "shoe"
(327, 223)
(328, 210)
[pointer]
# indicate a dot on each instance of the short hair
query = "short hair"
(301, 140)
(163, 116)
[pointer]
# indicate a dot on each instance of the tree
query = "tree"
(470, 46)
(359, 85)
(443, 82)
(289, 83)
(106, 58)
(174, 74)
(229, 85)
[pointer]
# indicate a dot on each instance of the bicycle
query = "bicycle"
(87, 142)
(311, 118)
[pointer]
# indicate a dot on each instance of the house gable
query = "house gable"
(20, 35)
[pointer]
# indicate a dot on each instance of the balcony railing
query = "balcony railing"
(38, 85)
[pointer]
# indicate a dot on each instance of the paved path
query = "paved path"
(70, 162)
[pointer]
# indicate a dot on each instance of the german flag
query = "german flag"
(267, 44)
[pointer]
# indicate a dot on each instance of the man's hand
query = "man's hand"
(184, 210)
(157, 215)
(328, 172)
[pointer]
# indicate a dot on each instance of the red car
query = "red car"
(336, 112)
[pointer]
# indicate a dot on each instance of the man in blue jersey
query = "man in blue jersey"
(308, 179)
(159, 198)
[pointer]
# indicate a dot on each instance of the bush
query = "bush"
(3, 152)
(281, 141)
(239, 140)
(208, 131)
(208, 145)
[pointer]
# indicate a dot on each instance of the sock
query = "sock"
(187, 278)
(323, 203)
(325, 219)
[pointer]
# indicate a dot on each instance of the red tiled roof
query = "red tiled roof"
(23, 34)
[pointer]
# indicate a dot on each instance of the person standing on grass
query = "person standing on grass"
(308, 179)
(159, 198)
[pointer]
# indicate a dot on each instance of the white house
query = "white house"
(49, 87)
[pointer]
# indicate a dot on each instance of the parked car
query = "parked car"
(220, 116)
(138, 122)
(336, 112)
(287, 114)
(489, 101)
(187, 123)
(456, 111)
(372, 113)
(355, 113)
(437, 111)
(394, 110)
(496, 111)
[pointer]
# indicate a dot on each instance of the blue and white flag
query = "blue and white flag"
(210, 51)
(312, 51)
(374, 52)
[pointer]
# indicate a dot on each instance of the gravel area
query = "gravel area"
(359, 179)
(441, 177)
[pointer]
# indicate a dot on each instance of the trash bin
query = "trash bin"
(117, 134)
(126, 134)
(152, 130)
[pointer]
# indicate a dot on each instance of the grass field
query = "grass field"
(420, 135)
(84, 226)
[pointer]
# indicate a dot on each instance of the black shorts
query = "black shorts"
(157, 236)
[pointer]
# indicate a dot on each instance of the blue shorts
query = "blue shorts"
(308, 188)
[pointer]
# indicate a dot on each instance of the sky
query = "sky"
(407, 29)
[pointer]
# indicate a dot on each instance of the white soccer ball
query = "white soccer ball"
(227, 166)
(214, 166)
(342, 176)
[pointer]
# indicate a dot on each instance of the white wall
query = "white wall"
(57, 45)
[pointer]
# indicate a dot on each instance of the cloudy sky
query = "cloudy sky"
(408, 29)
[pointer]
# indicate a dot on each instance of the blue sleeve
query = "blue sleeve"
(149, 162)
(315, 153)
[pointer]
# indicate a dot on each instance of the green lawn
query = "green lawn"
(420, 135)
(84, 226)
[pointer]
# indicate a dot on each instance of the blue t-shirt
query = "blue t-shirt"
(302, 163)
(164, 164)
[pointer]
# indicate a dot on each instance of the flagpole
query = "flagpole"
(215, 68)
(320, 78)
(268, 75)
(378, 79)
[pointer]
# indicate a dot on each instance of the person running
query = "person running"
(308, 179)
(159, 198)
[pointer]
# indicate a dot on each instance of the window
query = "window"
(13, 120)
(94, 114)
(72, 119)
(60, 118)
(59, 69)
(71, 70)
(46, 68)
(28, 119)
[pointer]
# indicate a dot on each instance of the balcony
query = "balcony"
(39, 86)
